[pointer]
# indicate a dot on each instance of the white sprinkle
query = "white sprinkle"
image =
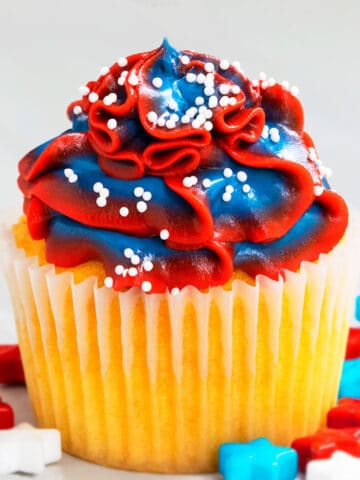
(209, 79)
(172, 104)
(108, 282)
(152, 117)
(174, 117)
(192, 111)
(157, 82)
(164, 234)
(68, 172)
(285, 84)
(111, 124)
(185, 119)
(135, 260)
(170, 124)
(251, 195)
(226, 196)
(124, 211)
(101, 202)
(264, 84)
(262, 76)
(200, 78)
(208, 126)
(255, 83)
(122, 62)
(97, 187)
(241, 176)
(235, 89)
(104, 192)
(274, 131)
(206, 182)
(202, 109)
(146, 286)
(265, 132)
(246, 188)
(161, 122)
(128, 252)
(224, 64)
(77, 110)
(104, 70)
(147, 196)
(175, 291)
(227, 172)
(190, 77)
(138, 192)
(232, 101)
(194, 179)
(184, 59)
(133, 80)
(148, 265)
(208, 113)
(318, 190)
(236, 64)
(132, 272)
(224, 89)
(229, 188)
(224, 101)
(209, 67)
(124, 73)
(209, 91)
(213, 101)
(110, 99)
(271, 82)
(73, 178)
(200, 119)
(294, 91)
(119, 269)
(93, 97)
(199, 101)
(84, 90)
(121, 81)
(275, 137)
(141, 207)
(187, 182)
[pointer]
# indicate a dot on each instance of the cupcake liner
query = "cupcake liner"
(156, 382)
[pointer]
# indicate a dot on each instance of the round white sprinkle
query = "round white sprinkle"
(224, 101)
(209, 67)
(213, 101)
(152, 117)
(236, 64)
(73, 178)
(229, 188)
(192, 111)
(128, 252)
(135, 260)
(265, 132)
(133, 80)
(209, 91)
(110, 99)
(246, 188)
(235, 89)
(275, 137)
(224, 64)
(271, 82)
(124, 211)
(122, 62)
(255, 83)
(101, 202)
(227, 172)
(194, 179)
(173, 104)
(141, 207)
(138, 192)
(184, 59)
(226, 196)
(200, 78)
(273, 131)
(170, 124)
(84, 90)
(224, 89)
(146, 286)
(157, 82)
(104, 70)
(199, 101)
(164, 234)
(147, 196)
(209, 80)
(132, 272)
(318, 190)
(68, 172)
(190, 77)
(203, 109)
(232, 101)
(185, 119)
(208, 126)
(208, 113)
(97, 187)
(121, 81)
(264, 84)
(200, 119)
(119, 269)
(108, 282)
(148, 265)
(206, 182)
(161, 122)
(104, 192)
(175, 291)
(93, 97)
(187, 182)
(294, 91)
(77, 110)
(241, 176)
(111, 124)
(124, 73)
(285, 84)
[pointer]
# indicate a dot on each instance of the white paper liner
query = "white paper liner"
(271, 368)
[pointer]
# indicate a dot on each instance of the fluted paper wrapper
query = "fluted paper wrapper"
(156, 382)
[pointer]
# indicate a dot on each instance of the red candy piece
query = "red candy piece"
(6, 416)
(324, 443)
(345, 415)
(11, 370)
(353, 344)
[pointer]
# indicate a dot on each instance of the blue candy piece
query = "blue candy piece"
(256, 460)
(357, 308)
(350, 379)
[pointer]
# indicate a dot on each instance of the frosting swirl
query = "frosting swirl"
(177, 171)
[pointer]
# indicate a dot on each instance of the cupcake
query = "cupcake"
(183, 272)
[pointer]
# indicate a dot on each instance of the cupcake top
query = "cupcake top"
(179, 170)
